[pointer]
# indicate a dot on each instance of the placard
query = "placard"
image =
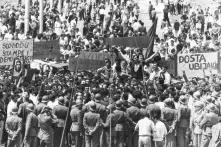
(194, 64)
(16, 48)
(46, 49)
(89, 61)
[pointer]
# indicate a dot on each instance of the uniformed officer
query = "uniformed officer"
(31, 127)
(169, 117)
(22, 112)
(134, 114)
(46, 123)
(109, 126)
(210, 118)
(92, 122)
(101, 109)
(196, 118)
(183, 122)
(60, 111)
(77, 123)
(13, 127)
(41, 105)
(123, 123)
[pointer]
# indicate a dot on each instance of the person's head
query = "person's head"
(140, 58)
(18, 65)
(79, 103)
(30, 107)
(14, 110)
(155, 113)
(45, 99)
(108, 62)
(153, 65)
(25, 96)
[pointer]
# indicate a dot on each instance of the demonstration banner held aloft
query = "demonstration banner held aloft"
(46, 49)
(196, 63)
(16, 48)
(89, 61)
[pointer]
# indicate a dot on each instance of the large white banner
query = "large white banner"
(16, 48)
(195, 63)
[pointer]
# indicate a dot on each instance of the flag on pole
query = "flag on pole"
(151, 34)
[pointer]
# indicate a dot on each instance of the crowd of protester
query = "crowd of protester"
(132, 102)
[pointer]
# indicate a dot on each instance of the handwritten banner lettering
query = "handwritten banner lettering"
(194, 64)
(11, 49)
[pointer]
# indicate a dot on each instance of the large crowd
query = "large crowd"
(133, 101)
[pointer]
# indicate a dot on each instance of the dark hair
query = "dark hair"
(155, 112)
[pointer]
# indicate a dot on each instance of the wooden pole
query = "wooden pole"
(59, 6)
(73, 92)
(51, 4)
(27, 11)
(41, 16)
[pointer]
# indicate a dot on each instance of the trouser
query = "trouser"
(31, 141)
(172, 9)
(92, 140)
(76, 139)
(119, 138)
(45, 144)
(182, 139)
(197, 140)
(205, 140)
(132, 140)
(13, 143)
(171, 140)
(159, 144)
(166, 19)
(110, 138)
(57, 137)
(144, 141)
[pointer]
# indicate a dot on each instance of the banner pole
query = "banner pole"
(70, 105)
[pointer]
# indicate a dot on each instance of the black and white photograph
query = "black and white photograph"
(110, 73)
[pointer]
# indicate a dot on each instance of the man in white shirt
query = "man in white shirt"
(12, 104)
(145, 127)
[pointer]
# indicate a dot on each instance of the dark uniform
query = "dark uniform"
(13, 127)
(77, 125)
(91, 122)
(41, 105)
(46, 123)
(183, 123)
(60, 112)
(31, 130)
(169, 117)
(101, 109)
(123, 126)
(134, 114)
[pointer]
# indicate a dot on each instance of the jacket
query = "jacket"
(61, 113)
(209, 119)
(13, 127)
(91, 122)
(31, 127)
(77, 119)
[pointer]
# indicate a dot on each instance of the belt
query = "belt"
(145, 135)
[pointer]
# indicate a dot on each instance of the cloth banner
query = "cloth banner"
(89, 61)
(194, 64)
(140, 41)
(15, 48)
(146, 42)
(46, 49)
